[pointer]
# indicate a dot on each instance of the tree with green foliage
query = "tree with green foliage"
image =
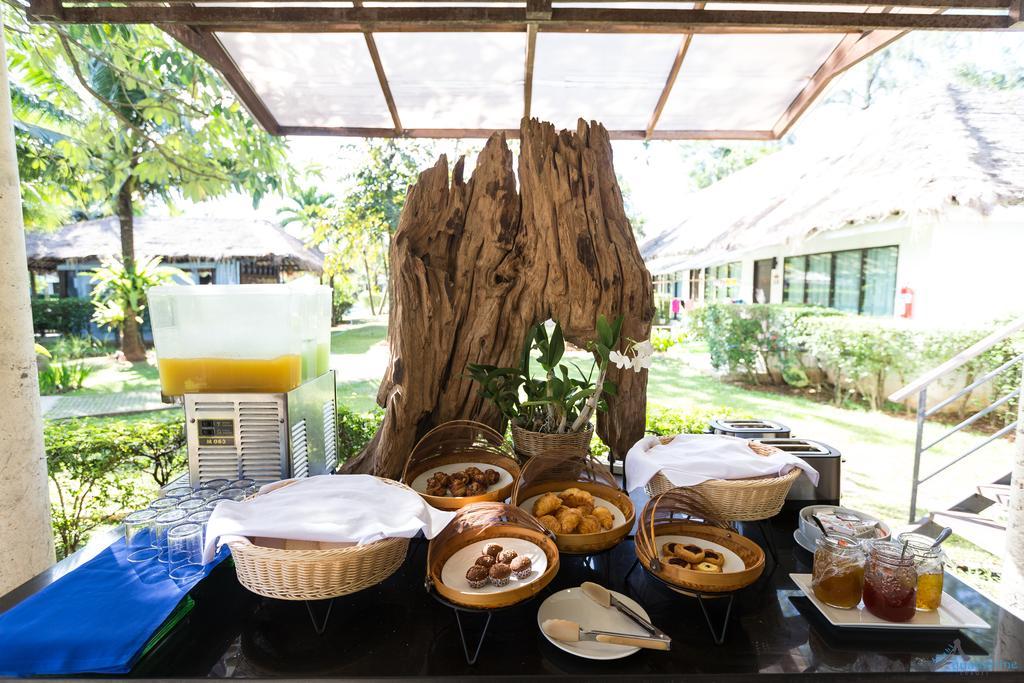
(139, 118)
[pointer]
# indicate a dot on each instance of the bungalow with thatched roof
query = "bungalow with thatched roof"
(916, 210)
(212, 250)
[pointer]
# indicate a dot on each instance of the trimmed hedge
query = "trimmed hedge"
(61, 315)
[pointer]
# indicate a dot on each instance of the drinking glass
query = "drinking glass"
(185, 550)
(247, 485)
(177, 492)
(211, 504)
(205, 494)
(138, 535)
(216, 484)
(200, 517)
(163, 504)
(234, 494)
(190, 505)
(162, 524)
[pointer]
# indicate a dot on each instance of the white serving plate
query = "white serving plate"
(453, 573)
(573, 605)
(733, 562)
(618, 518)
(950, 615)
(802, 541)
(419, 484)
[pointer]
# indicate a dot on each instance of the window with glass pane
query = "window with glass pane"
(846, 288)
(819, 279)
(734, 270)
(880, 280)
(793, 279)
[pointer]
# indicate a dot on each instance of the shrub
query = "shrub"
(74, 347)
(666, 422)
(62, 315)
(664, 338)
(355, 430)
(62, 377)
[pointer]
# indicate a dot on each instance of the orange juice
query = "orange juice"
(190, 375)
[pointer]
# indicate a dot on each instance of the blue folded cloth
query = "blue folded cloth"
(95, 619)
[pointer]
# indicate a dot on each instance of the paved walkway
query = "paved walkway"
(59, 407)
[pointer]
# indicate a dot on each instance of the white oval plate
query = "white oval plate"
(573, 605)
(419, 484)
(733, 562)
(453, 573)
(618, 518)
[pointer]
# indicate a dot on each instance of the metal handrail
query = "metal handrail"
(920, 387)
(958, 360)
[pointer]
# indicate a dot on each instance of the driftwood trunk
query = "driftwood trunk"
(475, 264)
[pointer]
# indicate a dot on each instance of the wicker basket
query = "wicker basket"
(737, 500)
(480, 522)
(560, 471)
(531, 444)
(684, 511)
(461, 441)
(316, 573)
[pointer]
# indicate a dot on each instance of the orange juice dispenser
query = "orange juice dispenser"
(242, 359)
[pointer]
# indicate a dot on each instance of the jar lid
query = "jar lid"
(892, 552)
(919, 543)
(838, 542)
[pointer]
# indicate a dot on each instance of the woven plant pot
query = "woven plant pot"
(736, 500)
(531, 444)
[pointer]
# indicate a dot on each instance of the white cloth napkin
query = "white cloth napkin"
(354, 508)
(694, 458)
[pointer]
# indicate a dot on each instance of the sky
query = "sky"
(656, 174)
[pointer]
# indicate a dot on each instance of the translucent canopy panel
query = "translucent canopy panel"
(455, 80)
(743, 82)
(612, 78)
(311, 79)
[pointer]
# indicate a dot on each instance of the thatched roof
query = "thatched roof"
(175, 239)
(922, 153)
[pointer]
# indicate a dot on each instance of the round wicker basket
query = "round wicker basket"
(317, 573)
(480, 522)
(532, 444)
(684, 512)
(737, 500)
(557, 472)
(455, 442)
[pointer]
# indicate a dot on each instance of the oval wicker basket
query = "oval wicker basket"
(557, 472)
(461, 441)
(683, 511)
(736, 500)
(479, 522)
(531, 444)
(316, 573)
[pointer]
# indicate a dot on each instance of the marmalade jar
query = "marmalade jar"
(890, 581)
(930, 565)
(838, 575)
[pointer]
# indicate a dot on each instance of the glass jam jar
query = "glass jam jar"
(890, 581)
(930, 564)
(838, 575)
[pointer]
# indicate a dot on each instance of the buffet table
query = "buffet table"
(397, 629)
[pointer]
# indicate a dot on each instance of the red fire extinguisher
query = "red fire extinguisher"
(907, 299)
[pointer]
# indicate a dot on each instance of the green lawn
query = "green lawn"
(110, 377)
(358, 338)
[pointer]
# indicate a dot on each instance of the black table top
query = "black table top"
(397, 629)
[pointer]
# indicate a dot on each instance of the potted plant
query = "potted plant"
(553, 410)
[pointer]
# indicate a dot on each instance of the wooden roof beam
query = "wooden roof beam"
(418, 19)
(536, 11)
(673, 73)
(1017, 14)
(382, 79)
(349, 131)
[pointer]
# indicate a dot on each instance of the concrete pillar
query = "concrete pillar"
(1013, 565)
(26, 538)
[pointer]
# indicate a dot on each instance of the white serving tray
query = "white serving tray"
(950, 615)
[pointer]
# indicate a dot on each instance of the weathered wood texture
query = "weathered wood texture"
(475, 263)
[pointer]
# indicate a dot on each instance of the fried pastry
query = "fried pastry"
(568, 518)
(714, 557)
(475, 488)
(457, 489)
(574, 498)
(546, 505)
(605, 517)
(491, 477)
(693, 554)
(589, 524)
(550, 523)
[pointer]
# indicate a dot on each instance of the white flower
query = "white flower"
(621, 362)
(641, 362)
(644, 349)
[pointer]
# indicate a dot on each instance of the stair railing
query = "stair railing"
(920, 387)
